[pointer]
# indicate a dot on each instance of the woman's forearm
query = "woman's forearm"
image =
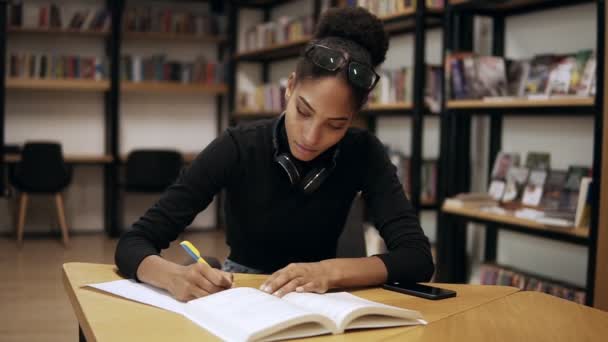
(355, 272)
(156, 271)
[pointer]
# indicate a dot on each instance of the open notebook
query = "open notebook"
(247, 314)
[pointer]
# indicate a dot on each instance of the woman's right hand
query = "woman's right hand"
(197, 280)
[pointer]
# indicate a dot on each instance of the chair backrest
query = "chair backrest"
(42, 168)
(351, 243)
(152, 170)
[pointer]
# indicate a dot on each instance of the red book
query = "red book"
(43, 19)
(210, 73)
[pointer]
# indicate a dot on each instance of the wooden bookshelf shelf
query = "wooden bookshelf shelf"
(389, 108)
(560, 102)
(278, 51)
(398, 106)
(173, 87)
(405, 21)
(577, 235)
(510, 106)
(57, 84)
(56, 31)
(69, 158)
(168, 36)
(511, 7)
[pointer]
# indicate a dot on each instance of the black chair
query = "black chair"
(152, 171)
(351, 243)
(41, 170)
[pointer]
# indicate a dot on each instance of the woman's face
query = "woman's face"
(318, 113)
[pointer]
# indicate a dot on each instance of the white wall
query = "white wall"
(186, 122)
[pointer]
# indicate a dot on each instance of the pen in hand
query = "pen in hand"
(196, 255)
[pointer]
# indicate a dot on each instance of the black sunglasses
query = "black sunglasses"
(360, 75)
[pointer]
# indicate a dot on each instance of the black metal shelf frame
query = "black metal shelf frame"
(455, 131)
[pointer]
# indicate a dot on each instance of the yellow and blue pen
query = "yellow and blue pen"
(194, 253)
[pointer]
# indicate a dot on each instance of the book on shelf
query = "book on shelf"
(470, 76)
(503, 162)
(384, 8)
(539, 164)
(396, 86)
(428, 175)
(266, 97)
(285, 29)
(583, 207)
(168, 20)
(515, 184)
(158, 67)
(53, 16)
(254, 315)
(491, 274)
(51, 66)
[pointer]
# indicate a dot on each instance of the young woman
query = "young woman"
(290, 183)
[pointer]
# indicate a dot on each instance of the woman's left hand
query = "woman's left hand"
(299, 277)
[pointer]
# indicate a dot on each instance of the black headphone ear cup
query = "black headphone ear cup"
(290, 168)
(313, 180)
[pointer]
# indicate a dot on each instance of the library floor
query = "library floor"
(33, 303)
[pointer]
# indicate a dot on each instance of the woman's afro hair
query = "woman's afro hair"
(358, 25)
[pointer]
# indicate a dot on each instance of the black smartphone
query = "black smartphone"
(419, 290)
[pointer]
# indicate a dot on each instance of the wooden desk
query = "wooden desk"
(522, 316)
(104, 317)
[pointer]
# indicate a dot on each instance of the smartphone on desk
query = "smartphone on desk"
(419, 290)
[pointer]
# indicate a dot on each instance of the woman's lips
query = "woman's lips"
(305, 150)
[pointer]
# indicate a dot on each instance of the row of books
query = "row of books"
(428, 176)
(396, 85)
(557, 194)
(267, 98)
(52, 66)
(32, 15)
(476, 77)
(148, 19)
(499, 275)
(285, 29)
(383, 8)
(160, 68)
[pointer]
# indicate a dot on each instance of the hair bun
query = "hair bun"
(358, 25)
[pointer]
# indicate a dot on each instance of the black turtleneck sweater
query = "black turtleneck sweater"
(271, 223)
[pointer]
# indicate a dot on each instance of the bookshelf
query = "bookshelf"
(569, 234)
(167, 36)
(601, 213)
(56, 31)
(405, 21)
(273, 53)
(568, 104)
(58, 84)
(173, 87)
(455, 150)
(113, 88)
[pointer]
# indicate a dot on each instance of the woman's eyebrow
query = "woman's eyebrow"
(342, 118)
(307, 104)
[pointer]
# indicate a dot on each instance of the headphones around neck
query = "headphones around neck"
(313, 179)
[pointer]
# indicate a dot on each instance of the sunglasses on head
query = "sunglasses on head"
(360, 75)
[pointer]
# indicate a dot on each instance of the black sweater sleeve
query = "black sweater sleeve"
(409, 258)
(179, 204)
